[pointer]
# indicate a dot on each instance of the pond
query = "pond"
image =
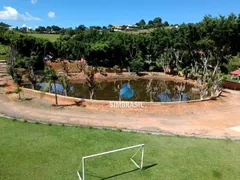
(147, 90)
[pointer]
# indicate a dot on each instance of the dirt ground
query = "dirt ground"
(214, 118)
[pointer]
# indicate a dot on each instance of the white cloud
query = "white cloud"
(9, 13)
(34, 1)
(51, 14)
(24, 25)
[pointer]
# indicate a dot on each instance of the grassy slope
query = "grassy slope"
(2, 52)
(140, 31)
(35, 151)
(50, 37)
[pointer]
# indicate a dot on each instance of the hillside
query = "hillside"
(50, 37)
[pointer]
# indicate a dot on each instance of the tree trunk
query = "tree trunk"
(49, 89)
(19, 95)
(91, 94)
(65, 92)
(33, 86)
(215, 70)
(55, 89)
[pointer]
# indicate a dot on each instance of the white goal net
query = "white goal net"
(140, 147)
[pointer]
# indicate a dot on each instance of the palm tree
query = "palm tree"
(31, 75)
(65, 84)
(18, 91)
(51, 78)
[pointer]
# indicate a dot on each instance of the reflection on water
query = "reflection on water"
(144, 90)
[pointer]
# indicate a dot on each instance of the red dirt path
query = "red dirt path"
(209, 118)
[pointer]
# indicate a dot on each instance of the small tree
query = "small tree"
(66, 67)
(137, 63)
(31, 75)
(82, 66)
(18, 91)
(12, 53)
(180, 89)
(149, 90)
(164, 61)
(65, 84)
(91, 82)
(51, 78)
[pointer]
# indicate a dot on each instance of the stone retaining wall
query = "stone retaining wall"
(63, 100)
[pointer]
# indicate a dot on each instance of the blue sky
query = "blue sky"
(71, 13)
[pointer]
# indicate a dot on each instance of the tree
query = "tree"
(137, 63)
(165, 24)
(69, 31)
(157, 22)
(91, 82)
(2, 24)
(150, 23)
(141, 23)
(234, 63)
(49, 29)
(51, 78)
(65, 84)
(66, 67)
(31, 75)
(165, 60)
(23, 29)
(110, 26)
(40, 29)
(11, 57)
(80, 28)
(82, 66)
(55, 28)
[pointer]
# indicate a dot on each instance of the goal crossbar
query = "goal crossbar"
(140, 146)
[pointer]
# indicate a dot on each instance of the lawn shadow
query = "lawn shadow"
(91, 175)
(217, 174)
(131, 171)
(115, 175)
(149, 166)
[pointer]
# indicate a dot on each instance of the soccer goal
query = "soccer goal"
(140, 147)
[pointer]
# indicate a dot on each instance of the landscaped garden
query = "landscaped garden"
(200, 52)
(37, 151)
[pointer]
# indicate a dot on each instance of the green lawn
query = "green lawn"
(50, 37)
(36, 151)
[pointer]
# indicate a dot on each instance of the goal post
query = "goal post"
(140, 147)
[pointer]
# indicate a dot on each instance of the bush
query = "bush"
(137, 65)
(234, 63)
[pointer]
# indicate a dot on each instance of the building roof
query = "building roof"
(236, 72)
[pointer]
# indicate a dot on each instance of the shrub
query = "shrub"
(234, 63)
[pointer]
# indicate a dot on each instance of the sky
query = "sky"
(72, 13)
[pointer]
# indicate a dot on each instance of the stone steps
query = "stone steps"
(4, 76)
(3, 65)
(3, 61)
(3, 82)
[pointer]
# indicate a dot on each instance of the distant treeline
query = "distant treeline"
(214, 40)
(155, 23)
